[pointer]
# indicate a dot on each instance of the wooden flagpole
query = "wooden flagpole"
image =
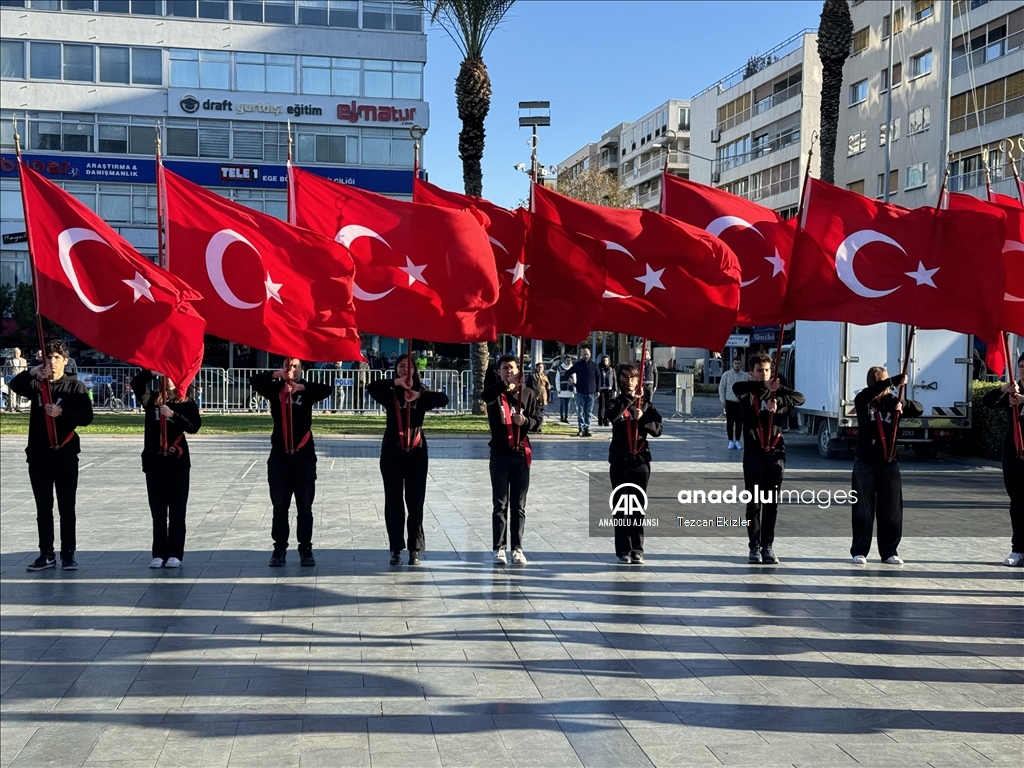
(162, 258)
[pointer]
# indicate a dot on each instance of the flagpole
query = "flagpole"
(643, 362)
(289, 187)
(1013, 167)
(44, 384)
(161, 249)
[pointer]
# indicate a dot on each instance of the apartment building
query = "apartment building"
(645, 145)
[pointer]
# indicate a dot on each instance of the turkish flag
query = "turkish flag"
(665, 280)
(91, 282)
(925, 267)
(1010, 202)
(1013, 254)
(266, 284)
(761, 239)
(421, 271)
(550, 280)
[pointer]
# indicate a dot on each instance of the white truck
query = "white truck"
(828, 362)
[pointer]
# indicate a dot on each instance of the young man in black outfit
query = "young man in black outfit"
(54, 466)
(512, 412)
(1006, 396)
(403, 455)
(291, 468)
(876, 477)
(629, 456)
(763, 401)
(167, 465)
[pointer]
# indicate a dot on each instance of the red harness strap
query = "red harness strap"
(881, 432)
(406, 440)
(287, 425)
(635, 442)
(66, 440)
(765, 444)
(513, 442)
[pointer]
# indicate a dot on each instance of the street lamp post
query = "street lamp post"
(531, 115)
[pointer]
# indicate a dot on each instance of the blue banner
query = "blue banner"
(208, 174)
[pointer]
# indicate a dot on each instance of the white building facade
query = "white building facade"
(643, 145)
(89, 81)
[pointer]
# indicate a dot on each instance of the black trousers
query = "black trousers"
(1013, 479)
(167, 488)
(604, 396)
(292, 474)
(733, 420)
(510, 482)
(563, 407)
(765, 471)
(404, 473)
(879, 496)
(56, 471)
(629, 538)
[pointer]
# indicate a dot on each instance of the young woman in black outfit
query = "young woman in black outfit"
(166, 463)
(629, 456)
(1009, 394)
(403, 455)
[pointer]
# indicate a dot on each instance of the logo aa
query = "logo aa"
(628, 499)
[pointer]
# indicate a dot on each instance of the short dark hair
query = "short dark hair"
(507, 359)
(630, 369)
(758, 358)
(58, 347)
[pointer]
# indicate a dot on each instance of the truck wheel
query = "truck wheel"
(826, 447)
(925, 451)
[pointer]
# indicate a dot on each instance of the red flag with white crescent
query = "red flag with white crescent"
(95, 285)
(265, 283)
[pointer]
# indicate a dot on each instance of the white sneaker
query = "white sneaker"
(1014, 559)
(172, 562)
(518, 557)
(859, 560)
(731, 445)
(158, 562)
(499, 557)
(894, 560)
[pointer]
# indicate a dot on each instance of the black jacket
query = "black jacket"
(186, 420)
(869, 442)
(301, 409)
(493, 395)
(754, 396)
(996, 399)
(606, 377)
(587, 379)
(384, 392)
(73, 398)
(649, 423)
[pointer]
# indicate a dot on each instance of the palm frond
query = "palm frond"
(469, 23)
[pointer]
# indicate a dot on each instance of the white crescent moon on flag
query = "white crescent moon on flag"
(1012, 245)
(495, 242)
(847, 252)
(66, 240)
(215, 267)
(348, 235)
(616, 247)
(722, 223)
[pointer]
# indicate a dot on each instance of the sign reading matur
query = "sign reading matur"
(320, 110)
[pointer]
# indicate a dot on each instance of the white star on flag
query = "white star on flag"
(518, 272)
(778, 265)
(140, 287)
(272, 289)
(923, 276)
(651, 279)
(415, 272)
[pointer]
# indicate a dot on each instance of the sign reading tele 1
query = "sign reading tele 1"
(265, 107)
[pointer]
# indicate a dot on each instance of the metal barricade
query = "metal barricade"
(348, 386)
(449, 382)
(110, 387)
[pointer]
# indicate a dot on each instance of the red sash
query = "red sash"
(513, 439)
(405, 440)
(287, 426)
(765, 444)
(636, 443)
(881, 432)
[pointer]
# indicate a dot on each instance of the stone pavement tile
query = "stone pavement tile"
(12, 739)
(127, 742)
(32, 698)
(820, 753)
(209, 752)
(934, 753)
(427, 759)
(681, 754)
(401, 733)
(602, 741)
(59, 746)
(1006, 751)
(532, 758)
(335, 758)
(119, 764)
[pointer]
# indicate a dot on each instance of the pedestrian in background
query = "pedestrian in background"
(606, 388)
(731, 403)
(564, 388)
(585, 374)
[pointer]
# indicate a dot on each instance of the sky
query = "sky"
(599, 64)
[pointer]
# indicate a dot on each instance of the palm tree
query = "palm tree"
(835, 39)
(469, 23)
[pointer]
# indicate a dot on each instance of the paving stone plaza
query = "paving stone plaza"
(694, 658)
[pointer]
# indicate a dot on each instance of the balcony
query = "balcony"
(775, 99)
(777, 143)
(781, 50)
(677, 161)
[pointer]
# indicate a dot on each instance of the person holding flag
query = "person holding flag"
(53, 459)
(629, 457)
(1010, 395)
(512, 412)
(291, 468)
(403, 455)
(877, 482)
(166, 463)
(763, 402)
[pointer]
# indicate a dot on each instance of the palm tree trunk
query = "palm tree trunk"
(831, 94)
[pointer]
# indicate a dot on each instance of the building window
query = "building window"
(45, 61)
(271, 73)
(213, 9)
(279, 12)
(343, 13)
(920, 120)
(79, 64)
(44, 134)
(115, 64)
(861, 38)
(886, 22)
(894, 184)
(895, 130)
(684, 119)
(183, 8)
(921, 64)
(995, 101)
(247, 10)
(923, 9)
(735, 112)
(857, 187)
(917, 175)
(776, 180)
(960, 7)
(857, 143)
(897, 76)
(988, 42)
(774, 93)
(313, 12)
(12, 59)
(110, 6)
(859, 92)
